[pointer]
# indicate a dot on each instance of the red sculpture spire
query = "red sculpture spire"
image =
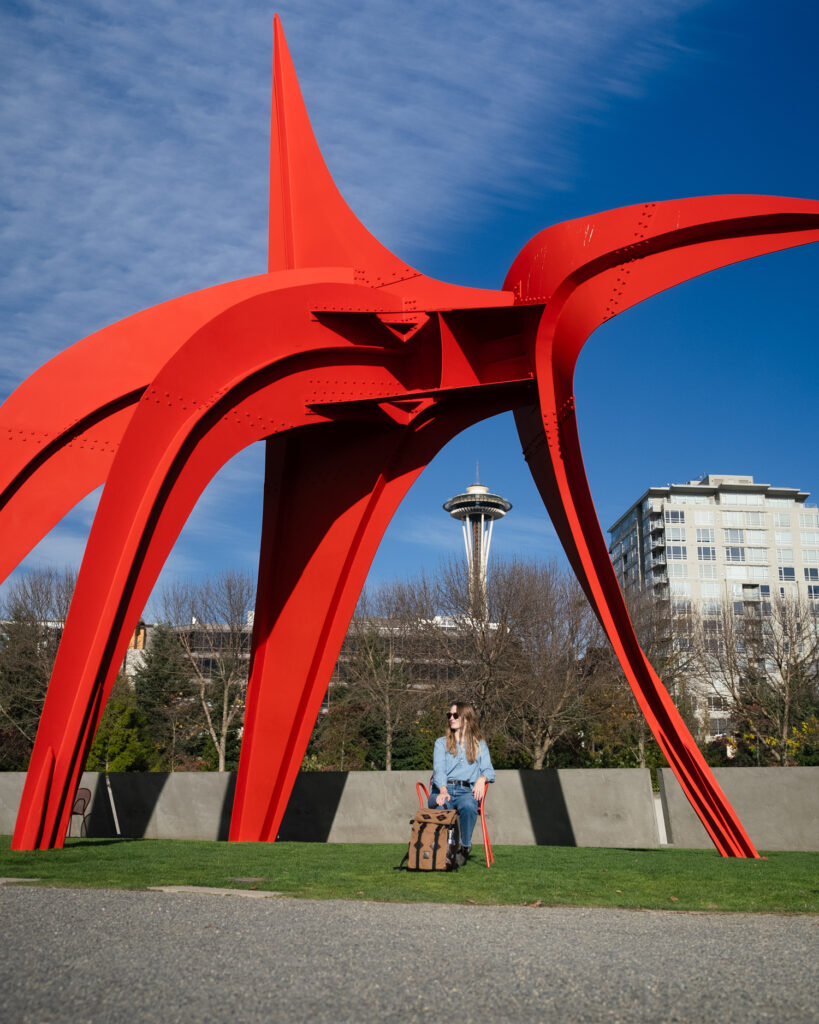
(310, 223)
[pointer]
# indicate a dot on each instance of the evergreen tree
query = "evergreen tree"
(123, 741)
(164, 695)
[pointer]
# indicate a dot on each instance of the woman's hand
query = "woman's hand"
(479, 788)
(442, 798)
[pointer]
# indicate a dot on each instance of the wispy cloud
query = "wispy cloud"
(134, 149)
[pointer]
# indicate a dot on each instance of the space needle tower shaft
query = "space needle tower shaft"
(477, 508)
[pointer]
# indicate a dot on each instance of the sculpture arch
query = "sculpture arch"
(356, 369)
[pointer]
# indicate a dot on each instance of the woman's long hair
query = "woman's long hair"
(470, 731)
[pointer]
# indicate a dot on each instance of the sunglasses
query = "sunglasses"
(452, 714)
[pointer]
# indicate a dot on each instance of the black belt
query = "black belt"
(458, 782)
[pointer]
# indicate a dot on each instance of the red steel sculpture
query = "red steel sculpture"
(355, 369)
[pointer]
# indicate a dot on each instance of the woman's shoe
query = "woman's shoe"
(462, 855)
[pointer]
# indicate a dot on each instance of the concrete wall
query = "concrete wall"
(561, 808)
(574, 807)
(779, 807)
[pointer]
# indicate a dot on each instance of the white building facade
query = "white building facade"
(716, 539)
(719, 536)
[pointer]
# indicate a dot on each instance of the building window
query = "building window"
(732, 498)
(708, 572)
(812, 575)
(754, 518)
(680, 589)
(732, 519)
(809, 538)
(734, 554)
(677, 552)
(677, 533)
(811, 555)
(706, 536)
(782, 520)
(757, 572)
(734, 536)
(813, 592)
(784, 554)
(756, 537)
(675, 515)
(709, 589)
(758, 555)
(703, 517)
(707, 554)
(809, 520)
(787, 572)
(784, 538)
(736, 572)
(680, 571)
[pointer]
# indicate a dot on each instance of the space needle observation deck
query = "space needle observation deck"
(477, 508)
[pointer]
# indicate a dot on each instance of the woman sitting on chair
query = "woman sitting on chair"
(461, 769)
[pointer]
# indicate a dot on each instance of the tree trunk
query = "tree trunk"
(388, 736)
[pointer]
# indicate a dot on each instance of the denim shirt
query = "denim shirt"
(448, 766)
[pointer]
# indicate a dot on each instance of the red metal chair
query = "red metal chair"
(423, 798)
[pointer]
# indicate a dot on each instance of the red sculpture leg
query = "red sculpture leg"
(320, 533)
(198, 413)
(556, 463)
(605, 279)
(319, 536)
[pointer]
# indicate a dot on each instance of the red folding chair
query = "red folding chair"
(423, 799)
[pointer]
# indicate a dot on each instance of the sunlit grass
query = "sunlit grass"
(545, 875)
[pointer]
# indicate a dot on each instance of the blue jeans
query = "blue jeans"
(462, 801)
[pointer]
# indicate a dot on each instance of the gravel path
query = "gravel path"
(110, 956)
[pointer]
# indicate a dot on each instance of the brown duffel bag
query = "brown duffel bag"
(434, 840)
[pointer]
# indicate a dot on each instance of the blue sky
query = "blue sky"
(134, 164)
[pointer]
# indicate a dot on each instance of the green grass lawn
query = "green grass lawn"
(540, 875)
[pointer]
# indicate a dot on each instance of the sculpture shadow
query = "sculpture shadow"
(135, 796)
(546, 804)
(312, 808)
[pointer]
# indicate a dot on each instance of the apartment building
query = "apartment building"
(716, 539)
(719, 536)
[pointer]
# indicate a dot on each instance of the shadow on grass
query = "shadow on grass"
(113, 841)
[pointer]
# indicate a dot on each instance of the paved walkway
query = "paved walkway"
(110, 956)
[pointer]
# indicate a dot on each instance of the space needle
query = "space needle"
(477, 508)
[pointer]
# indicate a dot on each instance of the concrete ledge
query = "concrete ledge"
(779, 807)
(607, 807)
(11, 789)
(572, 807)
